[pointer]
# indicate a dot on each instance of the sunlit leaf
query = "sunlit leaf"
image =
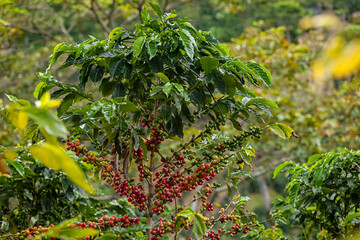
(52, 156)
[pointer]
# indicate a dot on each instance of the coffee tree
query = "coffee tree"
(136, 93)
(323, 195)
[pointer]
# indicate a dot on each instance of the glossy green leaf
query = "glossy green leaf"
(187, 213)
(281, 167)
(318, 175)
(209, 63)
(262, 72)
(314, 158)
(48, 121)
(116, 67)
(250, 101)
(145, 15)
(156, 8)
(109, 111)
(188, 41)
(293, 192)
(163, 77)
(151, 49)
(19, 167)
(126, 107)
(199, 227)
(96, 73)
(167, 88)
(138, 45)
(351, 217)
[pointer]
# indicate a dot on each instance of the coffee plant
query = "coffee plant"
(323, 196)
(126, 113)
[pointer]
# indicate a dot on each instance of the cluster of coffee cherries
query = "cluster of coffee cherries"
(113, 221)
(158, 134)
(32, 232)
(238, 229)
(238, 140)
(135, 193)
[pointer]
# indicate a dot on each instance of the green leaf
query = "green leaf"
(262, 72)
(171, 15)
(318, 175)
(116, 67)
(187, 213)
(314, 158)
(163, 77)
(293, 191)
(282, 130)
(138, 45)
(145, 15)
(209, 63)
(281, 167)
(198, 227)
(38, 89)
(250, 101)
(156, 8)
(109, 111)
(351, 216)
(55, 55)
(48, 121)
(167, 88)
(107, 236)
(65, 104)
(96, 73)
(219, 83)
(165, 111)
(19, 167)
(188, 41)
(126, 107)
(151, 48)
(52, 156)
(78, 233)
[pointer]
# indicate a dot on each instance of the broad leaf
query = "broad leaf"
(209, 63)
(188, 41)
(145, 15)
(78, 233)
(151, 48)
(54, 157)
(281, 167)
(250, 101)
(314, 158)
(282, 130)
(48, 121)
(198, 227)
(19, 167)
(156, 8)
(262, 72)
(138, 45)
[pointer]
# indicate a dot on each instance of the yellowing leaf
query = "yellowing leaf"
(19, 119)
(9, 154)
(348, 60)
(49, 155)
(52, 156)
(47, 103)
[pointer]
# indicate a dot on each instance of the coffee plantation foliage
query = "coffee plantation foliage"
(323, 198)
(136, 92)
